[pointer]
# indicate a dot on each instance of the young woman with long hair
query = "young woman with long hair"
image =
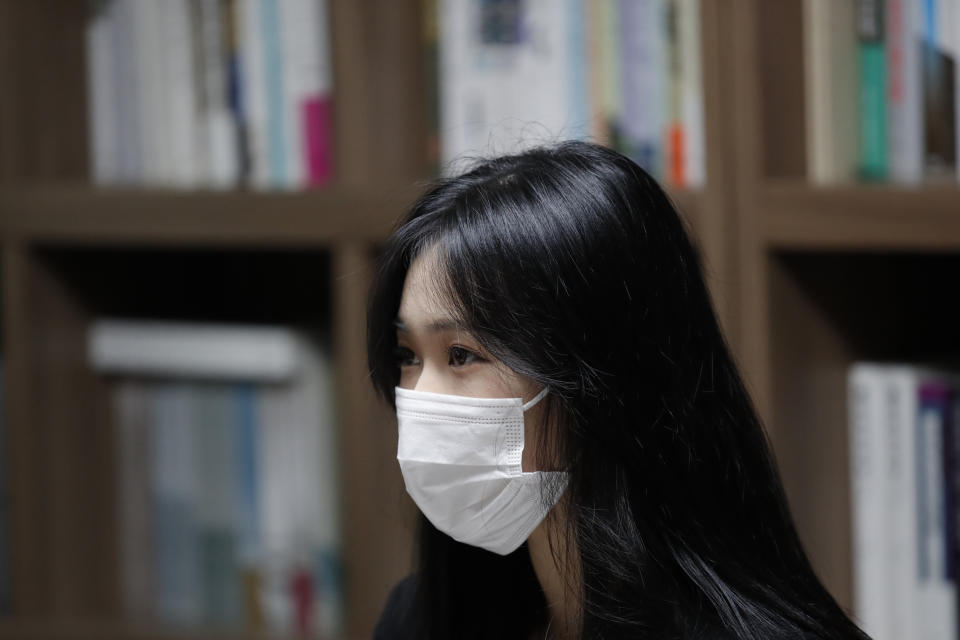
(573, 427)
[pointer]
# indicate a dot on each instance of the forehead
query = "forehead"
(422, 300)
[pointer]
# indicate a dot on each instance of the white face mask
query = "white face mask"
(460, 459)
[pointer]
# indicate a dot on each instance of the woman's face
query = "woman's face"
(437, 355)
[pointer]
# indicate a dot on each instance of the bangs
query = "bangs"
(424, 236)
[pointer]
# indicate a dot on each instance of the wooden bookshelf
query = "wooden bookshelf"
(806, 280)
(830, 274)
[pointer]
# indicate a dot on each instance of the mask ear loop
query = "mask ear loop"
(537, 398)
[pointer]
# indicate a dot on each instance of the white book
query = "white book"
(196, 350)
(868, 433)
(174, 484)
(127, 98)
(643, 78)
(218, 142)
(299, 486)
(831, 84)
(692, 92)
(180, 98)
(217, 501)
(101, 93)
(904, 27)
(506, 86)
(151, 90)
(253, 80)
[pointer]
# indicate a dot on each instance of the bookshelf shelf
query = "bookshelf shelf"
(863, 217)
(110, 630)
(155, 216)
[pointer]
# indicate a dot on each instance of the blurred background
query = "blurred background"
(192, 197)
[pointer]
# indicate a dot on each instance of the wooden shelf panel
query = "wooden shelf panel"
(113, 630)
(90, 215)
(171, 217)
(861, 217)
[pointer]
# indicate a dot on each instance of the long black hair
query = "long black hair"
(570, 264)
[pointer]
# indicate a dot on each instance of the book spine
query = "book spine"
(150, 89)
(217, 516)
(173, 487)
(278, 167)
(197, 350)
(248, 441)
(868, 450)
(219, 142)
(692, 96)
(180, 99)
(253, 85)
(675, 139)
(101, 108)
(236, 78)
(609, 72)
(902, 512)
(830, 56)
(872, 32)
(642, 80)
(939, 107)
(936, 593)
(578, 116)
(904, 93)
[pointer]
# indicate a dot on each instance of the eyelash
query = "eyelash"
(402, 355)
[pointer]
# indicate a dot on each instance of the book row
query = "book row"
(905, 492)
(210, 93)
(221, 93)
(625, 73)
(882, 90)
(227, 478)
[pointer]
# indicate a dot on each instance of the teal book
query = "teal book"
(873, 90)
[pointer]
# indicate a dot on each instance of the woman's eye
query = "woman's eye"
(460, 357)
(404, 357)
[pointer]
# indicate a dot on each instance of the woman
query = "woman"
(572, 425)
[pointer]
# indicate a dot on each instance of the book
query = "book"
(831, 84)
(643, 82)
(904, 90)
(194, 350)
(939, 93)
(868, 434)
(872, 54)
(512, 76)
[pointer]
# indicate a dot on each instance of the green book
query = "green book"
(873, 90)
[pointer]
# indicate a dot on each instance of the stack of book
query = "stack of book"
(210, 93)
(905, 487)
(882, 89)
(625, 73)
(229, 512)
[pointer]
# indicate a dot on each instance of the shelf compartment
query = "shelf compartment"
(828, 310)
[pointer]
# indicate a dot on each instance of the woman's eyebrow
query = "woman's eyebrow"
(434, 326)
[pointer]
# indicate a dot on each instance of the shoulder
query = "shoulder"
(392, 624)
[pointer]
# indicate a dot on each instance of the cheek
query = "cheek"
(408, 377)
